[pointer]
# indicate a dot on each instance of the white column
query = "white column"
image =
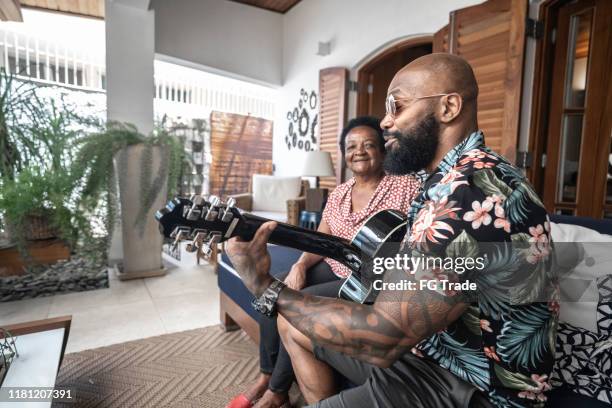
(130, 52)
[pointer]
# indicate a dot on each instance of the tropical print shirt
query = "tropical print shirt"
(477, 204)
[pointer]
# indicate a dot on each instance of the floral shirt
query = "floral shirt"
(393, 192)
(476, 203)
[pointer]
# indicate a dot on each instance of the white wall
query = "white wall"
(243, 41)
(356, 28)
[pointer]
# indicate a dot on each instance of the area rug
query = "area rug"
(196, 368)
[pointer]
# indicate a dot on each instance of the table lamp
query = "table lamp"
(317, 164)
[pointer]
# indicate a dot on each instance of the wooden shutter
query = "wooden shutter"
(440, 40)
(240, 147)
(491, 37)
(333, 95)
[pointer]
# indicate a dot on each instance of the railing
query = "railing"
(191, 92)
(178, 90)
(32, 58)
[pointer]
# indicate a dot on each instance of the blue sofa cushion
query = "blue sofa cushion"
(228, 281)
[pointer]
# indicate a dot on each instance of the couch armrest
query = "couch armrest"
(294, 207)
(244, 201)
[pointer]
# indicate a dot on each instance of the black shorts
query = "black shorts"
(410, 382)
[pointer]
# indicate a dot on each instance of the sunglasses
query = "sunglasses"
(391, 106)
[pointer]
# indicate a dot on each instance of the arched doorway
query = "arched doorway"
(376, 74)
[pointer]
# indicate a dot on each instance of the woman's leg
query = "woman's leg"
(321, 282)
(269, 341)
(269, 344)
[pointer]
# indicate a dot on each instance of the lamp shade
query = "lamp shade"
(317, 164)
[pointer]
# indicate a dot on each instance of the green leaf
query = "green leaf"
(490, 184)
(524, 340)
(520, 237)
(516, 381)
(517, 204)
(471, 319)
(463, 246)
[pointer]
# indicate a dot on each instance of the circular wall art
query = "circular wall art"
(315, 122)
(313, 100)
(304, 123)
(303, 120)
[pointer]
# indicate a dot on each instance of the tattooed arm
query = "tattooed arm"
(378, 333)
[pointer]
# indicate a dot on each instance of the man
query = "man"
(491, 345)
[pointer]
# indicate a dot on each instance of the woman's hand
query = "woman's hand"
(296, 279)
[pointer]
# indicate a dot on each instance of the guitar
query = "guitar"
(206, 223)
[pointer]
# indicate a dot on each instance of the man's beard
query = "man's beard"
(415, 149)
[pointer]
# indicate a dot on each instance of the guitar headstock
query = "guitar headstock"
(204, 222)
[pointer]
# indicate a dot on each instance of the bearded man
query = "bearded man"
(423, 347)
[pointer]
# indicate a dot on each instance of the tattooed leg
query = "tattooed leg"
(315, 378)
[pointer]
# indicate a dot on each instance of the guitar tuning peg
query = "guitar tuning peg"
(180, 235)
(198, 200)
(211, 215)
(227, 215)
(214, 200)
(214, 238)
(230, 202)
(192, 198)
(198, 232)
(179, 231)
(199, 237)
(206, 250)
(193, 214)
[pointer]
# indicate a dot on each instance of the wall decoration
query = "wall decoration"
(303, 120)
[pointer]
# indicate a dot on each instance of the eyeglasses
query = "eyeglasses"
(391, 107)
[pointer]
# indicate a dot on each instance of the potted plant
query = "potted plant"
(147, 170)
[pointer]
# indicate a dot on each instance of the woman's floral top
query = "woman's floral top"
(476, 204)
(393, 192)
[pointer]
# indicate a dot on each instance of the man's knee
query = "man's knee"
(285, 330)
(291, 336)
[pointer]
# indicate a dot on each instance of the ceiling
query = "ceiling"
(95, 8)
(280, 6)
(89, 8)
(10, 11)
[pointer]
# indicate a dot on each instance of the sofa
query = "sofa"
(236, 310)
(274, 197)
(235, 299)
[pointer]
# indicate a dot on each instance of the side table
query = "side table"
(310, 219)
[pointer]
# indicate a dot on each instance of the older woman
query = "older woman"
(348, 207)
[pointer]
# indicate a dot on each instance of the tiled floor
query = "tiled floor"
(185, 298)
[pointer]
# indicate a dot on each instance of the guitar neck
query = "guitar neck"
(305, 240)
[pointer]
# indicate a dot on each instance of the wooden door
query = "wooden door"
(440, 40)
(578, 171)
(333, 95)
(374, 77)
(491, 37)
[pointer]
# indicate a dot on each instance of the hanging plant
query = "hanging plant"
(95, 165)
